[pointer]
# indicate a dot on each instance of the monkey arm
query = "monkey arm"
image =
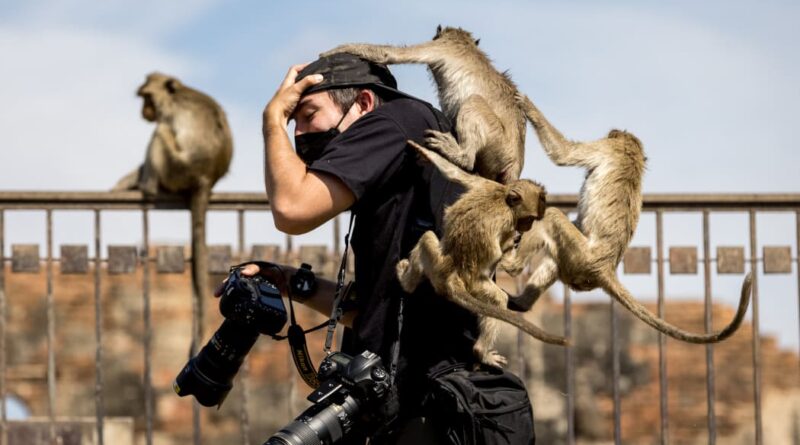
(422, 53)
(559, 149)
(448, 169)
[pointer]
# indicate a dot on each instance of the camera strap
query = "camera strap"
(299, 347)
(337, 311)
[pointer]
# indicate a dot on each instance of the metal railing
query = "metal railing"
(636, 261)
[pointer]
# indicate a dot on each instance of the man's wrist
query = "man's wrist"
(273, 119)
(272, 124)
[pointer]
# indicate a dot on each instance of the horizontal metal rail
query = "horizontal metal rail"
(42, 200)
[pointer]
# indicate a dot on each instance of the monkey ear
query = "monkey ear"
(513, 198)
(477, 42)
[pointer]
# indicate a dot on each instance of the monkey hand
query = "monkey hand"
(369, 52)
(280, 108)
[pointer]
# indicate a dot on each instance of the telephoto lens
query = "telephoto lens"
(251, 306)
(318, 425)
(209, 375)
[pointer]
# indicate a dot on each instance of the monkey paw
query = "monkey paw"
(446, 145)
(402, 267)
(494, 359)
(406, 276)
(339, 49)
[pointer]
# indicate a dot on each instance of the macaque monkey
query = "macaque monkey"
(477, 98)
(479, 228)
(584, 255)
(190, 150)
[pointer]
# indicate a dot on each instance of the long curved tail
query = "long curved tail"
(615, 289)
(459, 295)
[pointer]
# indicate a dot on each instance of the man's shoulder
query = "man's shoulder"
(409, 114)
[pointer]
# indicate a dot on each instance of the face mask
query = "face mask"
(309, 146)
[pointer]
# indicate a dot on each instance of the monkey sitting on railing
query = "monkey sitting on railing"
(190, 150)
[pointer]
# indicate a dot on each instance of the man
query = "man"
(351, 131)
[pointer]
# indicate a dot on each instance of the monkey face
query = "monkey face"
(527, 202)
(148, 108)
(153, 91)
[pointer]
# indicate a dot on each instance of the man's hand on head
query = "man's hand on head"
(279, 110)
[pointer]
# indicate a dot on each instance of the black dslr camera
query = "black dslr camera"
(351, 389)
(251, 306)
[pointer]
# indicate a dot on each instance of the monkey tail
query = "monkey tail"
(614, 288)
(198, 204)
(459, 295)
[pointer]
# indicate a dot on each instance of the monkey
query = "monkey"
(190, 150)
(584, 255)
(472, 93)
(479, 227)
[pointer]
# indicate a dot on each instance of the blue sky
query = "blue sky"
(710, 87)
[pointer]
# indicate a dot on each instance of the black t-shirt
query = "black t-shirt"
(397, 200)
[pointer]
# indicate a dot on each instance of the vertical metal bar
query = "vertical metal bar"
(662, 339)
(51, 332)
(197, 327)
(289, 248)
(3, 414)
(756, 334)
(148, 386)
(244, 372)
(797, 254)
(98, 333)
(240, 228)
(569, 358)
(710, 389)
(616, 374)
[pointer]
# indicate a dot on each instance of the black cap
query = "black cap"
(346, 70)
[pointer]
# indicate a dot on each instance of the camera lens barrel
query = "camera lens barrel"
(318, 425)
(209, 375)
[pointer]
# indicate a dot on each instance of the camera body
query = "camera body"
(253, 302)
(350, 387)
(251, 306)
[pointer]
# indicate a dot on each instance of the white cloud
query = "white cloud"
(70, 118)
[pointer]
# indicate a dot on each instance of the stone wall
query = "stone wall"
(276, 393)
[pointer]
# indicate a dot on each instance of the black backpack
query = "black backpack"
(485, 407)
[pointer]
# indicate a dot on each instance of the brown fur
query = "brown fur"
(189, 152)
(479, 228)
(584, 255)
(477, 98)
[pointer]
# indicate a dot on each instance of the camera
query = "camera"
(351, 389)
(251, 306)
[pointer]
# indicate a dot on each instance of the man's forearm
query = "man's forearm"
(283, 170)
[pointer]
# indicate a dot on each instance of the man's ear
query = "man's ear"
(365, 101)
